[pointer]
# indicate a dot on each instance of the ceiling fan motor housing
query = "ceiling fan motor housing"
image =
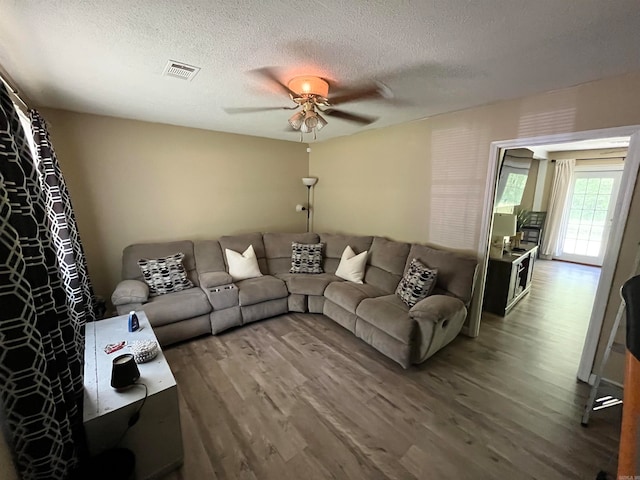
(308, 86)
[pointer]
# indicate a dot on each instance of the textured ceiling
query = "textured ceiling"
(107, 57)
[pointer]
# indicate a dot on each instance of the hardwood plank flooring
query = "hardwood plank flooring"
(298, 396)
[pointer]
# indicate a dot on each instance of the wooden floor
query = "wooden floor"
(299, 397)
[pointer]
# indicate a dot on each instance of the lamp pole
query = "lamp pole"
(308, 205)
(309, 182)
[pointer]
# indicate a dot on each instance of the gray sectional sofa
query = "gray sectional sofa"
(371, 310)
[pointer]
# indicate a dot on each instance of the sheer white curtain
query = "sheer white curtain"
(552, 239)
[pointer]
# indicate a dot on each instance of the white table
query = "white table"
(156, 438)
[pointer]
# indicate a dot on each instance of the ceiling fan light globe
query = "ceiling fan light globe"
(321, 122)
(296, 120)
(311, 122)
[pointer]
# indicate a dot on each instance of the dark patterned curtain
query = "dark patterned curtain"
(62, 221)
(41, 344)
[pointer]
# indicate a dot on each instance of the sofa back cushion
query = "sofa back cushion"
(334, 245)
(386, 263)
(456, 272)
(277, 247)
(239, 243)
(209, 256)
(133, 253)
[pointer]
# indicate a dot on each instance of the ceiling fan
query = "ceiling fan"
(311, 97)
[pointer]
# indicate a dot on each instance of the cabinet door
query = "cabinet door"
(532, 260)
(513, 282)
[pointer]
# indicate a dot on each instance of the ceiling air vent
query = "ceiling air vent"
(180, 70)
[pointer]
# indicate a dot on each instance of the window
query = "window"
(513, 189)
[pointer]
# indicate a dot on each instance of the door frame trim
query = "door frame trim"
(615, 240)
(625, 194)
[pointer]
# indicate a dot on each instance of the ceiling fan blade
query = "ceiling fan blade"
(233, 111)
(351, 117)
(270, 74)
(377, 90)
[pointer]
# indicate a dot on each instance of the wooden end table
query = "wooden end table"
(155, 439)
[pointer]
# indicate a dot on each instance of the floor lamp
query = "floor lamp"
(307, 182)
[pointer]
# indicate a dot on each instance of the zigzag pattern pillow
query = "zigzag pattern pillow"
(165, 275)
(417, 283)
(306, 258)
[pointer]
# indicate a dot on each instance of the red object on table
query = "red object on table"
(114, 347)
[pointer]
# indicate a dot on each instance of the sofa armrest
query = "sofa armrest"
(214, 279)
(439, 318)
(436, 308)
(130, 291)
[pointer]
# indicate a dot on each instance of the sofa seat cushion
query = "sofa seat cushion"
(177, 306)
(348, 295)
(389, 314)
(308, 283)
(260, 289)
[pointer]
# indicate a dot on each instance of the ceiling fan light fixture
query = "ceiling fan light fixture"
(311, 120)
(296, 120)
(321, 122)
(306, 85)
(305, 129)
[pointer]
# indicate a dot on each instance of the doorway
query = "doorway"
(615, 238)
(588, 215)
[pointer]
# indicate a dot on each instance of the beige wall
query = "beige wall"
(368, 185)
(134, 181)
(530, 187)
(426, 180)
(548, 182)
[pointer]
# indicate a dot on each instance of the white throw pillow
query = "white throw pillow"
(351, 266)
(242, 265)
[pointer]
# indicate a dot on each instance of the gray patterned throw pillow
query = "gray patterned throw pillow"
(417, 283)
(306, 258)
(165, 275)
